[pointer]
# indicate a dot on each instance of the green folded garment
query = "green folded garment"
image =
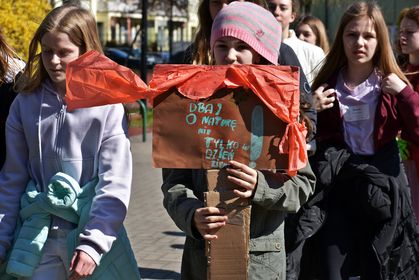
(65, 199)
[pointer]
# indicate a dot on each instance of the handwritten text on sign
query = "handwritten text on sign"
(231, 125)
(205, 117)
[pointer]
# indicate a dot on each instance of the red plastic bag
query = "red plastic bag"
(93, 80)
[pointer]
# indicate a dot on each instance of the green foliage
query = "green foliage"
(19, 20)
(403, 148)
(138, 122)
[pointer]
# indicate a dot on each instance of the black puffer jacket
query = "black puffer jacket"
(379, 190)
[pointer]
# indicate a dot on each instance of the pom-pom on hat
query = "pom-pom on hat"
(252, 24)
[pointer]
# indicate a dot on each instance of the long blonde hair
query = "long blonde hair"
(383, 58)
(202, 50)
(80, 26)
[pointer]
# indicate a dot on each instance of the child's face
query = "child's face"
(229, 50)
(409, 36)
(359, 41)
(305, 33)
(57, 52)
(282, 11)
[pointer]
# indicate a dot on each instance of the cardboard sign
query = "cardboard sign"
(232, 124)
(228, 255)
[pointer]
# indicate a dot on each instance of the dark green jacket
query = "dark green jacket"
(276, 194)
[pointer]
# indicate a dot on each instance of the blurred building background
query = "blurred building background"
(119, 22)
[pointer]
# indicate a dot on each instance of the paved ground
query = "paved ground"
(156, 240)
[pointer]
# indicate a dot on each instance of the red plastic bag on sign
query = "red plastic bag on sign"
(93, 80)
(276, 86)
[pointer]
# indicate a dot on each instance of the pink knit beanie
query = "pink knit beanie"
(252, 24)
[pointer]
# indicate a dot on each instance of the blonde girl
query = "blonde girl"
(311, 29)
(44, 138)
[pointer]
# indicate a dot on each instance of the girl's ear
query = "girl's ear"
(293, 17)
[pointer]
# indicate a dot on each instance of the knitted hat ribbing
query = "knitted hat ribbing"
(252, 24)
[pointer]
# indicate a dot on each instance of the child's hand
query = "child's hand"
(208, 220)
(392, 84)
(81, 266)
(243, 176)
(323, 99)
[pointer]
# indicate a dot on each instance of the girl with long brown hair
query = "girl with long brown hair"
(50, 146)
(363, 100)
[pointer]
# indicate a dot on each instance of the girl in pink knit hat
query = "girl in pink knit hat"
(242, 33)
(253, 35)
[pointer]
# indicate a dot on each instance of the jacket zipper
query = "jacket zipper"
(60, 116)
